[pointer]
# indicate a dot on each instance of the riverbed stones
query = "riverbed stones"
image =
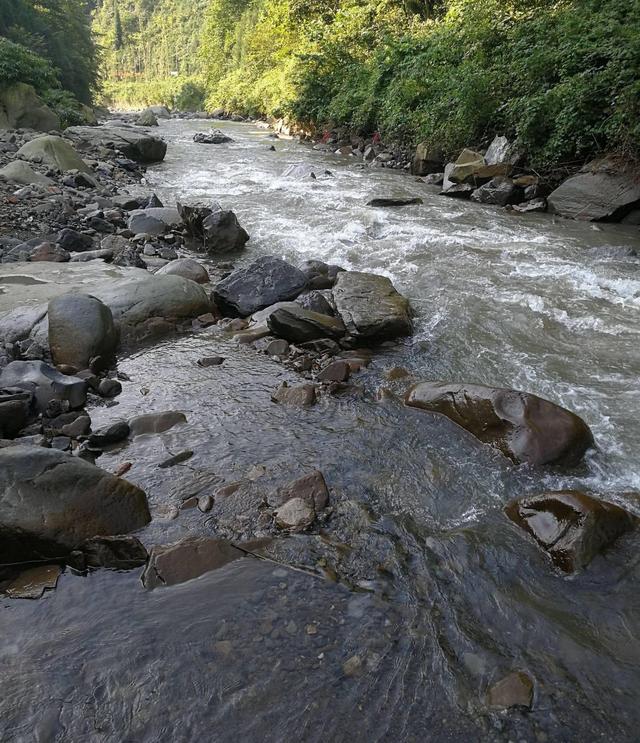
(605, 189)
(134, 143)
(295, 515)
(188, 269)
(336, 371)
(154, 423)
(19, 172)
(188, 559)
(45, 383)
(297, 325)
(111, 434)
(310, 488)
(54, 152)
(370, 307)
(524, 427)
(36, 251)
(81, 328)
(571, 526)
(52, 502)
(262, 283)
(514, 690)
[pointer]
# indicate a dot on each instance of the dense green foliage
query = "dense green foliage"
(563, 76)
(52, 45)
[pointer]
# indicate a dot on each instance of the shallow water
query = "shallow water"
(439, 595)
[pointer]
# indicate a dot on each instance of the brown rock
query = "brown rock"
(337, 371)
(311, 488)
(32, 583)
(514, 690)
(303, 395)
(295, 515)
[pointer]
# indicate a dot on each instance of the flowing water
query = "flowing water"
(437, 595)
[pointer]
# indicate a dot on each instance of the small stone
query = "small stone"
(295, 515)
(514, 690)
(211, 361)
(112, 434)
(337, 371)
(303, 395)
(205, 503)
(353, 666)
(189, 503)
(183, 456)
(123, 469)
(79, 427)
(311, 629)
(109, 388)
(278, 347)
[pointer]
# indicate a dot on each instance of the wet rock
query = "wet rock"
(182, 456)
(152, 423)
(121, 552)
(215, 136)
(320, 275)
(310, 488)
(45, 383)
(32, 583)
(605, 189)
(316, 302)
(535, 205)
(261, 284)
(524, 427)
(114, 433)
(20, 107)
(278, 347)
(216, 227)
(337, 371)
(15, 404)
(134, 143)
(408, 201)
(499, 191)
(176, 563)
(295, 515)
(211, 361)
(19, 172)
(298, 325)
(51, 501)
(188, 269)
(571, 526)
(514, 690)
(370, 306)
(81, 328)
(109, 388)
(303, 395)
(205, 503)
(62, 443)
(395, 373)
(472, 168)
(458, 190)
(427, 160)
(147, 118)
(54, 152)
(78, 427)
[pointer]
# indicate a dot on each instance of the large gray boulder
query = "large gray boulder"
(54, 152)
(603, 190)
(45, 383)
(370, 306)
(81, 328)
(261, 284)
(571, 526)
(132, 142)
(51, 502)
(21, 108)
(160, 112)
(524, 427)
(19, 172)
(147, 118)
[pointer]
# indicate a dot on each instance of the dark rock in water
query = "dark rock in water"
(211, 361)
(337, 371)
(300, 325)
(524, 427)
(152, 423)
(261, 284)
(80, 426)
(535, 205)
(215, 136)
(514, 690)
(311, 488)
(33, 582)
(133, 143)
(176, 563)
(499, 191)
(301, 396)
(218, 228)
(571, 526)
(73, 241)
(409, 201)
(111, 434)
(188, 269)
(81, 327)
(458, 190)
(605, 189)
(15, 404)
(35, 251)
(118, 553)
(127, 202)
(320, 275)
(183, 456)
(109, 388)
(45, 382)
(370, 307)
(51, 502)
(321, 346)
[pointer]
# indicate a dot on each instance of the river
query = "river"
(445, 596)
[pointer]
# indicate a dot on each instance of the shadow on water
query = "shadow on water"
(434, 595)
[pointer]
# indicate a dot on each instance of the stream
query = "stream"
(441, 595)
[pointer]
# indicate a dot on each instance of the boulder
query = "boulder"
(471, 167)
(605, 189)
(298, 325)
(141, 223)
(190, 558)
(571, 526)
(45, 383)
(21, 108)
(499, 191)
(264, 282)
(166, 214)
(370, 307)
(316, 302)
(500, 151)
(19, 172)
(81, 328)
(133, 143)
(54, 152)
(147, 118)
(36, 251)
(73, 241)
(160, 112)
(218, 228)
(188, 269)
(51, 502)
(524, 427)
(215, 136)
(427, 160)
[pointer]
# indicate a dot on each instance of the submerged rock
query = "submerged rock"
(258, 285)
(45, 383)
(122, 552)
(408, 201)
(303, 395)
(571, 526)
(524, 427)
(370, 306)
(33, 582)
(514, 690)
(190, 558)
(152, 423)
(51, 502)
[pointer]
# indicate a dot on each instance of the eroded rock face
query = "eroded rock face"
(261, 284)
(45, 383)
(81, 327)
(524, 427)
(51, 502)
(571, 526)
(370, 307)
(54, 152)
(134, 143)
(298, 325)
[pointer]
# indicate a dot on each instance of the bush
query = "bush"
(18, 64)
(66, 105)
